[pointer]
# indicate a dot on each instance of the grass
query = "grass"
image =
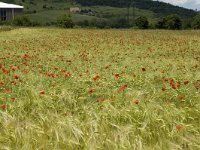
(56, 9)
(46, 16)
(52, 16)
(99, 89)
(5, 28)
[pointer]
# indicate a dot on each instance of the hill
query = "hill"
(47, 11)
(160, 8)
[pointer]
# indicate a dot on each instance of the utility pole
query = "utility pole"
(128, 13)
(134, 13)
(129, 5)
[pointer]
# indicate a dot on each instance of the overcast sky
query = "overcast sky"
(193, 4)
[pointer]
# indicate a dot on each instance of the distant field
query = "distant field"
(54, 9)
(99, 89)
(52, 16)
(46, 16)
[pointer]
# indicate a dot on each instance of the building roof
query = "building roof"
(5, 5)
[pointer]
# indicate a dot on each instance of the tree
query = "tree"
(195, 24)
(187, 23)
(142, 23)
(65, 21)
(161, 24)
(173, 22)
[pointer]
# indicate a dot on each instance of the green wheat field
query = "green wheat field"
(99, 89)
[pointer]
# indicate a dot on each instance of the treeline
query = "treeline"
(170, 22)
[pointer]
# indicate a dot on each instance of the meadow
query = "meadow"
(99, 89)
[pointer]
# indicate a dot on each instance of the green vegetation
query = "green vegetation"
(46, 12)
(22, 21)
(99, 89)
(172, 22)
(142, 23)
(195, 24)
(65, 21)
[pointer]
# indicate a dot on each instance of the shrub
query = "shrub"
(142, 23)
(172, 22)
(195, 24)
(161, 24)
(186, 24)
(65, 21)
(22, 21)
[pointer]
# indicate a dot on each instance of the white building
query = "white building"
(9, 11)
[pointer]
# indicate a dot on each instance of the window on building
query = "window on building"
(3, 15)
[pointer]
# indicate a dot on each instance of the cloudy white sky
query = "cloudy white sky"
(193, 4)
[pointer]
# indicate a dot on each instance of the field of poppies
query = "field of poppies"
(99, 89)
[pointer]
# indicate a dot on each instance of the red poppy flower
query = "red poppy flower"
(42, 93)
(123, 88)
(63, 71)
(108, 66)
(13, 82)
(13, 98)
(163, 89)
(136, 102)
(186, 82)
(178, 84)
(171, 81)
(96, 78)
(67, 75)
(1, 83)
(181, 97)
(143, 69)
(116, 75)
(174, 87)
(3, 106)
(16, 77)
(13, 69)
(178, 127)
(91, 90)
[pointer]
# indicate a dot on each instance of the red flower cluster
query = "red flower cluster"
(5, 71)
(174, 84)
